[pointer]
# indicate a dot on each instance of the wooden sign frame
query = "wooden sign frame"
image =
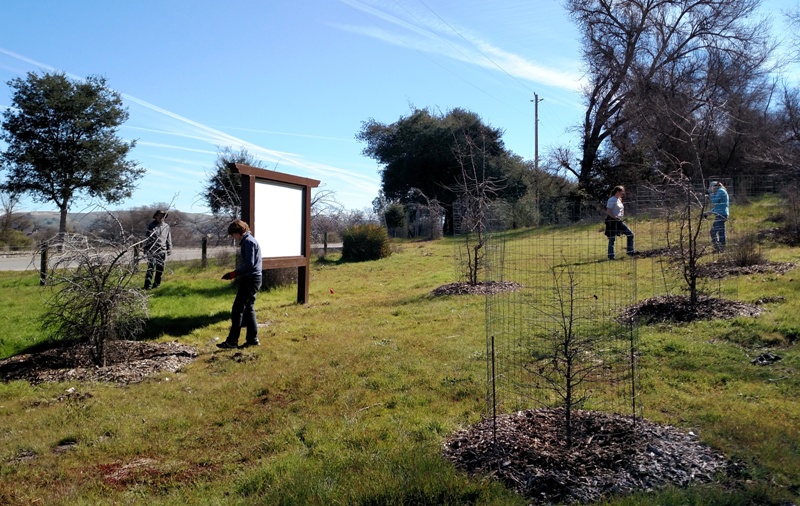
(250, 177)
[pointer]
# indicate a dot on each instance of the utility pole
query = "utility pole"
(536, 101)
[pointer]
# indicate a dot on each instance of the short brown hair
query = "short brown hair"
(238, 227)
(616, 189)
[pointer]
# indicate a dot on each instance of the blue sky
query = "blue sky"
(292, 80)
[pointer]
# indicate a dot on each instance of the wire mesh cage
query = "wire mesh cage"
(560, 340)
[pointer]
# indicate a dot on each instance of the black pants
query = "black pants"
(155, 264)
(243, 312)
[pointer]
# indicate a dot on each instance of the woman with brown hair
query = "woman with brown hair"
(615, 211)
(248, 273)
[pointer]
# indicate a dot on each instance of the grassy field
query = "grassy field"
(350, 397)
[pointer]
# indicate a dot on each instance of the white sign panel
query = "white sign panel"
(279, 219)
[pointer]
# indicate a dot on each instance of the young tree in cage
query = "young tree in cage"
(91, 297)
(425, 217)
(564, 355)
(474, 191)
(684, 213)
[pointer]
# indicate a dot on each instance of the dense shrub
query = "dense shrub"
(14, 240)
(365, 242)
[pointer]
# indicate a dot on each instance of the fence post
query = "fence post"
(43, 266)
(325, 245)
(204, 254)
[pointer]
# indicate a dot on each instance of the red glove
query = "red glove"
(229, 275)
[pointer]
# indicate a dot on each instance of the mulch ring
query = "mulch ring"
(609, 455)
(678, 309)
(126, 362)
(483, 288)
(720, 270)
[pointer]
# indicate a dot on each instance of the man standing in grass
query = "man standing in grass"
(157, 246)
(249, 275)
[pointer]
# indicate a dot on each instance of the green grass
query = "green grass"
(350, 397)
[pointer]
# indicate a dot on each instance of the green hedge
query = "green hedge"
(365, 242)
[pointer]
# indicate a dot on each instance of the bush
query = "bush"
(365, 242)
(746, 252)
(14, 240)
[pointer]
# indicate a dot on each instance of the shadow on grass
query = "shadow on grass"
(180, 326)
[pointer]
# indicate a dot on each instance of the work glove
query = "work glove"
(229, 275)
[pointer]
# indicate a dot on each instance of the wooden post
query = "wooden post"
(204, 252)
(43, 266)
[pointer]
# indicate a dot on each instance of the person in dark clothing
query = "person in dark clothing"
(248, 274)
(157, 245)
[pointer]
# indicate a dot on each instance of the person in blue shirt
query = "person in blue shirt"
(719, 208)
(248, 273)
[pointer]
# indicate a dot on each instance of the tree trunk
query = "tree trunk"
(62, 227)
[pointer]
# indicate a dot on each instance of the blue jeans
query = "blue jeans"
(718, 234)
(622, 228)
(243, 312)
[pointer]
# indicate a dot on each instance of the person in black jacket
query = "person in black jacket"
(248, 273)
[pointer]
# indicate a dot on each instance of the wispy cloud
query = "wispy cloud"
(148, 118)
(435, 37)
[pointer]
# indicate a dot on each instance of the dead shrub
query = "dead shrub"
(746, 252)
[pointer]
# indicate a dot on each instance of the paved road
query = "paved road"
(30, 260)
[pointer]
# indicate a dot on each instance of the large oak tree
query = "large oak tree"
(634, 48)
(63, 143)
(422, 152)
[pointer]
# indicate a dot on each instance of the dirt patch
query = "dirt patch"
(679, 309)
(484, 288)
(126, 362)
(610, 455)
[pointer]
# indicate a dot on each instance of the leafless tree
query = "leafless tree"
(8, 201)
(683, 209)
(428, 215)
(325, 210)
(90, 293)
(474, 191)
(629, 45)
(564, 353)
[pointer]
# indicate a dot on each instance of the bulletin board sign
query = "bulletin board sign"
(277, 207)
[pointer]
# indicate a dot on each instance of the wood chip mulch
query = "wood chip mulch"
(678, 309)
(720, 270)
(610, 455)
(484, 288)
(126, 362)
